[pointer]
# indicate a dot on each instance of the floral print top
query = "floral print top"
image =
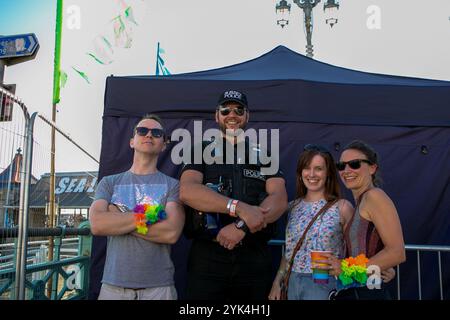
(324, 235)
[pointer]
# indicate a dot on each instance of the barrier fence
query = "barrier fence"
(67, 274)
(418, 249)
(25, 178)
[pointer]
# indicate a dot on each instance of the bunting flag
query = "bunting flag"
(129, 15)
(160, 68)
(63, 77)
(103, 50)
(118, 34)
(82, 74)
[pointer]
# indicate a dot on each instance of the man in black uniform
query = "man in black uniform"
(233, 210)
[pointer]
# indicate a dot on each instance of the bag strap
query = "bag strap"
(348, 244)
(327, 206)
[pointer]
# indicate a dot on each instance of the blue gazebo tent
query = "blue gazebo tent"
(407, 120)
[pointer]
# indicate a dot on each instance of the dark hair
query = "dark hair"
(332, 190)
(149, 116)
(371, 155)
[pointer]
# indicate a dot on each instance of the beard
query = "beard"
(231, 132)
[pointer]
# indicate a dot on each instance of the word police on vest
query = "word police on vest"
(254, 174)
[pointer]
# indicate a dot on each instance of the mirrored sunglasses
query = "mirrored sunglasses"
(353, 164)
(239, 111)
(143, 131)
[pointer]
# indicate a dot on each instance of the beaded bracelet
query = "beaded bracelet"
(354, 271)
(146, 215)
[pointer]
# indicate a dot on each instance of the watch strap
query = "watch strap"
(241, 225)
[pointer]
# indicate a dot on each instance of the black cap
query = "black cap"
(233, 95)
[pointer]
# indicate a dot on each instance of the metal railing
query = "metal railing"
(25, 182)
(415, 248)
(418, 249)
(37, 251)
(16, 266)
(40, 274)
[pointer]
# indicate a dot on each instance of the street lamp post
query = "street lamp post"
(330, 7)
(307, 6)
(283, 9)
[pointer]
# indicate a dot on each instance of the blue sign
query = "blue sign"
(20, 45)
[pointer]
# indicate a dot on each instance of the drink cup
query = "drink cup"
(319, 275)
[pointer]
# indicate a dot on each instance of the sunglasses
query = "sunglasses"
(315, 147)
(239, 111)
(353, 164)
(143, 131)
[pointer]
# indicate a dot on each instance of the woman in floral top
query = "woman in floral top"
(316, 185)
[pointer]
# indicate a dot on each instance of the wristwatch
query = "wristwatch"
(240, 224)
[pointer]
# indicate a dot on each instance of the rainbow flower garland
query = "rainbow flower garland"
(146, 215)
(354, 271)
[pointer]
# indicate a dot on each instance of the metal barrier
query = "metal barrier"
(73, 269)
(16, 132)
(417, 249)
(37, 251)
(24, 194)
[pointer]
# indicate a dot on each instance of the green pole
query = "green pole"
(57, 61)
(56, 91)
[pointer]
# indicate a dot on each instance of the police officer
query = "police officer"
(233, 210)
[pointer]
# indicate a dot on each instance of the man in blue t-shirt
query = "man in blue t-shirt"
(138, 265)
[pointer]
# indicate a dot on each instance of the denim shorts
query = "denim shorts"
(302, 287)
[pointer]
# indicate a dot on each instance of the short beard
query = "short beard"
(223, 129)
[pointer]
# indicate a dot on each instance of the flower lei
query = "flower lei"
(146, 215)
(354, 271)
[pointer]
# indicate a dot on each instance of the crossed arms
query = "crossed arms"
(107, 220)
(198, 196)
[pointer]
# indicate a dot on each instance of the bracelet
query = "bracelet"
(145, 215)
(140, 221)
(282, 273)
(229, 204)
(233, 206)
(354, 271)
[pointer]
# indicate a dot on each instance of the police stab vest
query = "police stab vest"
(241, 180)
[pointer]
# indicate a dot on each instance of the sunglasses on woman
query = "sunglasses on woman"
(315, 147)
(143, 131)
(239, 111)
(353, 164)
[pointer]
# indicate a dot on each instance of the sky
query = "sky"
(401, 37)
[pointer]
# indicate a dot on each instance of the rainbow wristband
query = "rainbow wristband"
(354, 271)
(146, 215)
